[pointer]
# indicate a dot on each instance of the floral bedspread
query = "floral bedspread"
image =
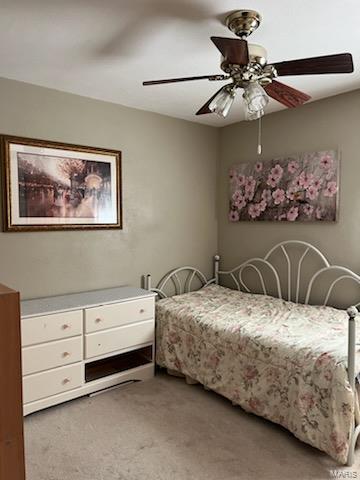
(280, 360)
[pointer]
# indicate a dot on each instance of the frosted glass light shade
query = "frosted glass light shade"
(221, 104)
(255, 101)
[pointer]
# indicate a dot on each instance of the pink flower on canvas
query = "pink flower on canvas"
(277, 171)
(262, 205)
(317, 182)
(297, 184)
(278, 196)
(232, 174)
(318, 213)
(258, 167)
(326, 162)
(254, 210)
(266, 195)
(312, 193)
(308, 209)
(250, 182)
(241, 180)
(281, 217)
(249, 195)
(290, 192)
(237, 197)
(240, 204)
(292, 214)
(331, 189)
(305, 179)
(272, 180)
(233, 216)
(292, 166)
(250, 188)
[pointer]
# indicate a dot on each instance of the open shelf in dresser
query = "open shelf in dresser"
(118, 363)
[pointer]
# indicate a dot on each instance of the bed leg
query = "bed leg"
(355, 430)
(216, 268)
(353, 438)
(147, 281)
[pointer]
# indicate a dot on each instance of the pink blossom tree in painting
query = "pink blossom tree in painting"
(300, 188)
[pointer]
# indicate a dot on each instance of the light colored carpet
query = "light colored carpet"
(163, 429)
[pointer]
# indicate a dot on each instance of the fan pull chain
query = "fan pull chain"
(259, 147)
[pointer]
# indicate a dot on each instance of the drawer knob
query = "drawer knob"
(66, 354)
(142, 310)
(65, 326)
(97, 320)
(65, 381)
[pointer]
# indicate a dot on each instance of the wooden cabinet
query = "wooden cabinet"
(12, 465)
(76, 344)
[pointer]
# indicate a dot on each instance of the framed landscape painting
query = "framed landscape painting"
(297, 188)
(55, 186)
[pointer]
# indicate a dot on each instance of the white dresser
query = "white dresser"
(77, 344)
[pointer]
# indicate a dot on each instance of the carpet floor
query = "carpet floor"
(164, 429)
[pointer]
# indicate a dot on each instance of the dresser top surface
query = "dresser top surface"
(74, 301)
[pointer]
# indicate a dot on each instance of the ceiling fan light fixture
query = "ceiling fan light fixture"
(255, 101)
(223, 101)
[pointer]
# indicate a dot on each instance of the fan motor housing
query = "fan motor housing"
(243, 22)
(257, 57)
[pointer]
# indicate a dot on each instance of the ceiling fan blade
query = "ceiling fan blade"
(205, 108)
(339, 63)
(234, 50)
(187, 79)
(288, 96)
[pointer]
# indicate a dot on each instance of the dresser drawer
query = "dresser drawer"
(50, 327)
(118, 338)
(50, 355)
(118, 314)
(51, 382)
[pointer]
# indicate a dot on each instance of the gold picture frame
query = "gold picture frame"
(59, 186)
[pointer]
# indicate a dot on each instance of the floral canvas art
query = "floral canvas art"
(298, 188)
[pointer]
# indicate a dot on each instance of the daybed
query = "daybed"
(290, 362)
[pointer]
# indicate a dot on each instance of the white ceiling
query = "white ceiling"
(105, 48)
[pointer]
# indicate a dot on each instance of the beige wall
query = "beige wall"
(169, 195)
(169, 189)
(325, 124)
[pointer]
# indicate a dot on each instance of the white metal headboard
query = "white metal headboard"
(267, 273)
(293, 267)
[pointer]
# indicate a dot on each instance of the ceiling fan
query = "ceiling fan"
(245, 64)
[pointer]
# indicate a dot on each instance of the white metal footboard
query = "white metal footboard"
(291, 285)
